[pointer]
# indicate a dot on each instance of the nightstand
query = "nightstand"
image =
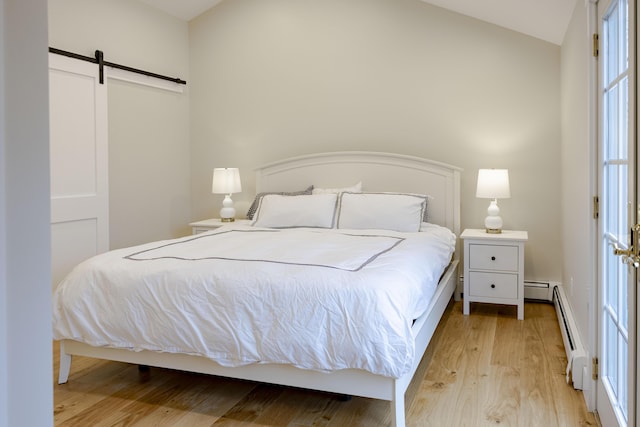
(494, 268)
(213, 223)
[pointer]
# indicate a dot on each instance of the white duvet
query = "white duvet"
(316, 299)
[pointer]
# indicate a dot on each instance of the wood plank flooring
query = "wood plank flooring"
(485, 369)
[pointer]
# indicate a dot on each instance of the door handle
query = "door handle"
(622, 252)
(630, 256)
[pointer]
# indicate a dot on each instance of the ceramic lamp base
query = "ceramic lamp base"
(228, 212)
(493, 221)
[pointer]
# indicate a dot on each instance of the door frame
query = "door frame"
(590, 391)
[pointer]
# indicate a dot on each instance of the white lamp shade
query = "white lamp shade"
(493, 184)
(226, 181)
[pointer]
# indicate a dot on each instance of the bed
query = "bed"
(353, 369)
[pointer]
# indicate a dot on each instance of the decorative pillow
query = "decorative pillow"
(387, 211)
(357, 188)
(277, 211)
(256, 200)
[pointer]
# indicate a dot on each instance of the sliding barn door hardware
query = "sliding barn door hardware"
(99, 60)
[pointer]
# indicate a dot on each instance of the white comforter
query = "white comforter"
(317, 299)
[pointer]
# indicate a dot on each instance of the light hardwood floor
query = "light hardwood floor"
(485, 369)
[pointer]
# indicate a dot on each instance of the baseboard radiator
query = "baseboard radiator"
(541, 291)
(577, 356)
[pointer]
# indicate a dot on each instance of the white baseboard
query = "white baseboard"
(539, 290)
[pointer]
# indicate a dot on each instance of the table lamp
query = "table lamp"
(493, 184)
(226, 181)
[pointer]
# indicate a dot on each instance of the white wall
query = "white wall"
(289, 77)
(26, 396)
(577, 162)
(149, 147)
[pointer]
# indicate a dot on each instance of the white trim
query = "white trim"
(141, 79)
(589, 390)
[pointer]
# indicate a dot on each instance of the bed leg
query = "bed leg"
(65, 365)
(397, 408)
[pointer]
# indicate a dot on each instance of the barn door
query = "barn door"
(79, 165)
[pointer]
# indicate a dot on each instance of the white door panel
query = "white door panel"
(79, 163)
(72, 242)
(73, 134)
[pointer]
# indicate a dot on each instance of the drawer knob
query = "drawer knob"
(493, 258)
(493, 286)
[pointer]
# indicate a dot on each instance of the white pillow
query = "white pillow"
(386, 211)
(357, 188)
(277, 211)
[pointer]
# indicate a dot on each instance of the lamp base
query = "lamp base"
(493, 222)
(227, 213)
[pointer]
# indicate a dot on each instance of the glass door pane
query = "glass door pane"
(615, 196)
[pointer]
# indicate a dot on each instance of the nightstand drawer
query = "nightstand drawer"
(493, 257)
(493, 285)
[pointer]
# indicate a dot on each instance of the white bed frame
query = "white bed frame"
(378, 172)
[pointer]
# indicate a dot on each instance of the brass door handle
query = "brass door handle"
(630, 256)
(622, 252)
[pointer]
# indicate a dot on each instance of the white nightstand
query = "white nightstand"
(213, 223)
(494, 268)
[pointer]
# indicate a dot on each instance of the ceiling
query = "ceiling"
(543, 19)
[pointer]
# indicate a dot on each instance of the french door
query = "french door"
(618, 246)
